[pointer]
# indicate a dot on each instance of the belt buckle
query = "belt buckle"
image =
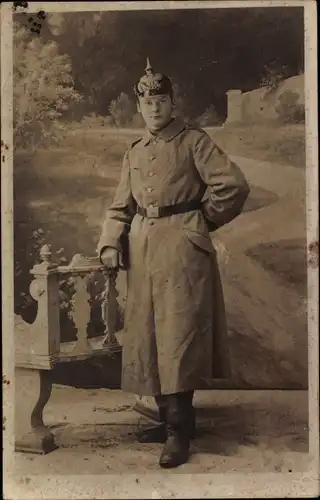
(153, 212)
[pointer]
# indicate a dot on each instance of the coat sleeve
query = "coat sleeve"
(227, 188)
(119, 215)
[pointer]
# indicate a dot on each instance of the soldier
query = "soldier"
(176, 187)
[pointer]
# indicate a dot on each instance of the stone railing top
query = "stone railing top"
(78, 264)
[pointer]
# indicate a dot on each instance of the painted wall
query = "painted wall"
(260, 104)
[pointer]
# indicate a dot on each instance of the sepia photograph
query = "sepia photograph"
(160, 171)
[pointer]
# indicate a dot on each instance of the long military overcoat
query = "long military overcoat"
(175, 335)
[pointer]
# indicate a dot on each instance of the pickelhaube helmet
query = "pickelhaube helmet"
(152, 83)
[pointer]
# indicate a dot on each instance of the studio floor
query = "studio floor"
(242, 431)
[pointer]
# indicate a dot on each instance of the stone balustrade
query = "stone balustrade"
(38, 346)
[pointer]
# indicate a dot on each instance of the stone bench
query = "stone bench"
(39, 347)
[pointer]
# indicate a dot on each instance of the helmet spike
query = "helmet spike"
(149, 68)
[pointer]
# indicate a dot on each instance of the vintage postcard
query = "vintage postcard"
(159, 168)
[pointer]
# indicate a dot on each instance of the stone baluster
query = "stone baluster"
(81, 314)
(110, 308)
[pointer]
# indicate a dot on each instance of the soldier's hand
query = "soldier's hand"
(111, 258)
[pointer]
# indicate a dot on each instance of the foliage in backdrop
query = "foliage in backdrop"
(43, 88)
(289, 109)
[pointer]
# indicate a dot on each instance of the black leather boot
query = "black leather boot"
(156, 433)
(187, 397)
(179, 427)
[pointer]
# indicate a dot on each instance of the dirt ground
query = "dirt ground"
(256, 431)
(282, 144)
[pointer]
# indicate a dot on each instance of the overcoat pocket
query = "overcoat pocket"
(200, 240)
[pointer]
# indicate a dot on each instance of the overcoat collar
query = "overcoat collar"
(174, 128)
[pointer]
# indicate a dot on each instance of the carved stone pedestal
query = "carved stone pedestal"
(32, 392)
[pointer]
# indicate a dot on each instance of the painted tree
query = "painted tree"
(43, 88)
(122, 110)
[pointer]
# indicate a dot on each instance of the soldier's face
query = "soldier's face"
(156, 110)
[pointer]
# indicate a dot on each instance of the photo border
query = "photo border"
(162, 484)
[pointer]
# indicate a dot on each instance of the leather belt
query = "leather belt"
(179, 208)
